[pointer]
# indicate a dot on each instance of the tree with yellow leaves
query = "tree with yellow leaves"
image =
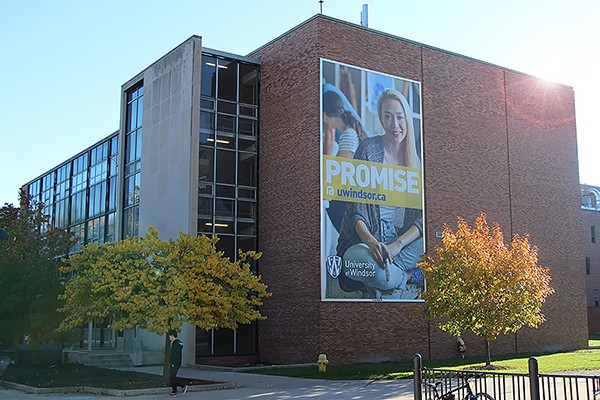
(158, 285)
(482, 285)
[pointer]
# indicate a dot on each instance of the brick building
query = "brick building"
(488, 138)
(590, 211)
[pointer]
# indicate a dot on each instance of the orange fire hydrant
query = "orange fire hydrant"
(322, 361)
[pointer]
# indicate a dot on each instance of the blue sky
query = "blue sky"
(63, 62)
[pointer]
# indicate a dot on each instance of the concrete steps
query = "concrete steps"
(106, 359)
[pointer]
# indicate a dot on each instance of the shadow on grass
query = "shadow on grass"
(66, 375)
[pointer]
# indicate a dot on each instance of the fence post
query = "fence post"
(417, 376)
(534, 379)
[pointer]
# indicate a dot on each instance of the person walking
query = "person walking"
(175, 363)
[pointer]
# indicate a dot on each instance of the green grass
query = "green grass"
(65, 375)
(547, 363)
(594, 340)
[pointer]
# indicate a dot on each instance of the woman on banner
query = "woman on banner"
(388, 238)
(337, 117)
(342, 132)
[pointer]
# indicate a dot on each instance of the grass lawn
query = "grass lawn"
(64, 375)
(547, 363)
(594, 340)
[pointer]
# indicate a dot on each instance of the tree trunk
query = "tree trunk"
(488, 354)
(166, 360)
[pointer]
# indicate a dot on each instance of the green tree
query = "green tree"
(29, 274)
(158, 285)
(482, 285)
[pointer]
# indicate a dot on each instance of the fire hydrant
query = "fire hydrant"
(322, 361)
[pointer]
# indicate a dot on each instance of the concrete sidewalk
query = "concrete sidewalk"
(253, 386)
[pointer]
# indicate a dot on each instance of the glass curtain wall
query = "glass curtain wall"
(80, 194)
(227, 186)
(133, 157)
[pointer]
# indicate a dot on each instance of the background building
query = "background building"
(590, 210)
(493, 140)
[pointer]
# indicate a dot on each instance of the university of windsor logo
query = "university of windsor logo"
(334, 266)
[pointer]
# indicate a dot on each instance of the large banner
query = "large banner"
(372, 222)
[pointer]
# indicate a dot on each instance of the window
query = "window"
(133, 156)
(595, 297)
(79, 183)
(227, 182)
(587, 265)
(593, 234)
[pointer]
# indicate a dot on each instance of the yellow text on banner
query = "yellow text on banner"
(359, 181)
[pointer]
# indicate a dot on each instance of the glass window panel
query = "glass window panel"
(140, 111)
(226, 191)
(205, 206)
(246, 209)
(248, 83)
(225, 166)
(34, 190)
(223, 342)
(247, 243)
(131, 219)
(62, 213)
(224, 207)
(207, 103)
(227, 107)
(246, 193)
(246, 228)
(207, 120)
(203, 343)
(225, 141)
(247, 169)
(208, 76)
(227, 86)
(114, 165)
(95, 231)
(224, 226)
(246, 339)
(112, 195)
(205, 226)
(130, 148)
(78, 207)
(226, 123)
(226, 244)
(132, 190)
(138, 145)
(247, 126)
(206, 165)
(79, 235)
(132, 116)
(248, 111)
(205, 188)
(114, 146)
(207, 138)
(110, 228)
(246, 143)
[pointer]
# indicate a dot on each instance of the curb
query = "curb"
(117, 392)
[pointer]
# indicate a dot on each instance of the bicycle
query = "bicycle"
(464, 387)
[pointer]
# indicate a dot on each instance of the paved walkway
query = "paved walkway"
(256, 387)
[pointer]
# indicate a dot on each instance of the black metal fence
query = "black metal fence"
(445, 384)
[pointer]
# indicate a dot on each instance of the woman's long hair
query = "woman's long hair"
(412, 157)
(333, 106)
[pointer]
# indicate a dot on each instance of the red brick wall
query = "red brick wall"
(482, 151)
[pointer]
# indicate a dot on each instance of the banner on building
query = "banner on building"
(372, 212)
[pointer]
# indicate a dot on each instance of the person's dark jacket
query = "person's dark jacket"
(175, 359)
